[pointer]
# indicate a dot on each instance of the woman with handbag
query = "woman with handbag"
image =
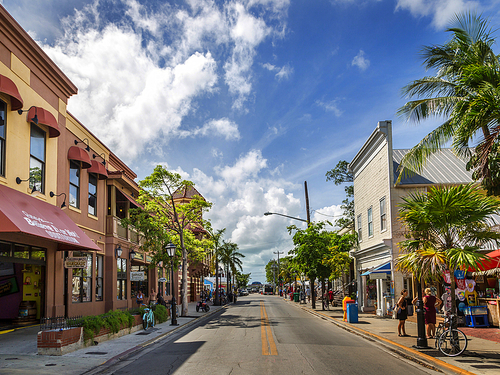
(402, 313)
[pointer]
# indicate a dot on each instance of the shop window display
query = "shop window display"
(82, 280)
(371, 292)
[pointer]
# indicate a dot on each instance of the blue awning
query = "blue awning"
(383, 268)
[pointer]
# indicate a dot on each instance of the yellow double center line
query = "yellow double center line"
(268, 344)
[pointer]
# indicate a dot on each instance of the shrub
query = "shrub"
(113, 320)
(161, 313)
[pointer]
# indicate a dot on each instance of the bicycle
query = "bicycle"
(148, 319)
(452, 342)
(326, 304)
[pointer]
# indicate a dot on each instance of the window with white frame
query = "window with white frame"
(383, 216)
(370, 222)
(360, 229)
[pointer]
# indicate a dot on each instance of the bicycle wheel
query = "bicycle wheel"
(152, 319)
(452, 342)
(145, 321)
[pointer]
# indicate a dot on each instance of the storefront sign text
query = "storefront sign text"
(74, 262)
(137, 276)
(374, 276)
(51, 229)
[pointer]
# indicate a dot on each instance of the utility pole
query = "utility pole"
(307, 204)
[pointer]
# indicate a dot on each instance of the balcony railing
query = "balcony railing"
(115, 228)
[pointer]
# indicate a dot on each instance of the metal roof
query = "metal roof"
(443, 167)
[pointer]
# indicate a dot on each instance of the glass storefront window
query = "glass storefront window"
(140, 285)
(82, 279)
(37, 253)
(5, 249)
(21, 251)
(98, 277)
(121, 282)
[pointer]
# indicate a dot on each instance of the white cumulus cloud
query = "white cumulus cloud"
(360, 61)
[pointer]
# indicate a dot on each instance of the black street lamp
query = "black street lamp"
(170, 248)
(422, 338)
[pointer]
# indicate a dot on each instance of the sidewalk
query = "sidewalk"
(18, 350)
(481, 357)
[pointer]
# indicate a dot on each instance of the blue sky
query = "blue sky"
(246, 98)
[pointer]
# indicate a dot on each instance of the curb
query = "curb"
(103, 366)
(404, 351)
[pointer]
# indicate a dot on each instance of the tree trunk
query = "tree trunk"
(313, 292)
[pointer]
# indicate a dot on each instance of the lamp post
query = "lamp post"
(290, 217)
(421, 338)
(170, 248)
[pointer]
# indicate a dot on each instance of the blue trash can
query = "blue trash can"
(352, 313)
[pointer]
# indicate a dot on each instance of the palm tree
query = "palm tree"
(230, 256)
(216, 238)
(466, 91)
(446, 228)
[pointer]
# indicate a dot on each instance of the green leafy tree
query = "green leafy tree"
(341, 175)
(465, 91)
(311, 248)
(445, 229)
(157, 197)
(337, 258)
(271, 273)
(242, 279)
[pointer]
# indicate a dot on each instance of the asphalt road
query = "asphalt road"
(265, 335)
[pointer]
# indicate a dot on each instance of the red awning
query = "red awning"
(131, 200)
(99, 169)
(8, 87)
(45, 118)
(21, 213)
(79, 154)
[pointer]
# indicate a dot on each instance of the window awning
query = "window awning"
(45, 118)
(131, 200)
(79, 154)
(21, 213)
(99, 169)
(383, 268)
(8, 87)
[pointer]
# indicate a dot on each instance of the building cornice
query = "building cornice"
(370, 148)
(31, 54)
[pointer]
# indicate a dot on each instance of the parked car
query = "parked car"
(243, 292)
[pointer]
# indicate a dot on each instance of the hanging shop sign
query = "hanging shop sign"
(137, 276)
(75, 262)
(162, 279)
(374, 276)
(148, 259)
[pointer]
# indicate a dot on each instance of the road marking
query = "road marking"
(268, 344)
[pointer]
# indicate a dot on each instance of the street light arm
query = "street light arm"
(290, 217)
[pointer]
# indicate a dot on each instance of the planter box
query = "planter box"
(60, 342)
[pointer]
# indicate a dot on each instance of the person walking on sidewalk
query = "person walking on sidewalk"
(430, 303)
(308, 294)
(402, 313)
